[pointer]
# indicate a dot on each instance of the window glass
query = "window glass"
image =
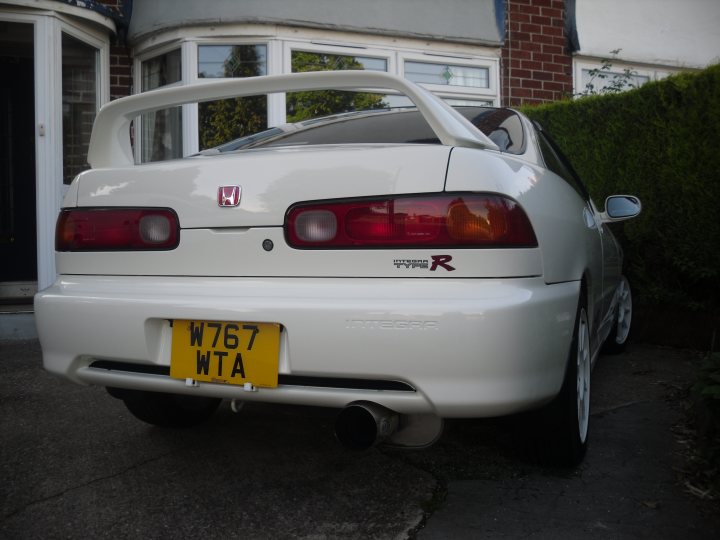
(314, 61)
(217, 61)
(79, 103)
(598, 80)
(162, 130)
(306, 105)
(384, 127)
(227, 119)
(558, 163)
(447, 74)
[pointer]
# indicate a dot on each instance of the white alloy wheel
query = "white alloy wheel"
(624, 311)
(616, 340)
(557, 434)
(583, 376)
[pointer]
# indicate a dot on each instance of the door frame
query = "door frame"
(93, 29)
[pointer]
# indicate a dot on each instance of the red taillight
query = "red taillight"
(449, 220)
(116, 229)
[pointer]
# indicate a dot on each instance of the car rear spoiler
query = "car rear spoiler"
(110, 141)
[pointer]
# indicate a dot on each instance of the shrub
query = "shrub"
(660, 142)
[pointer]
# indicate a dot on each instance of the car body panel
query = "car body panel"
(462, 344)
(271, 180)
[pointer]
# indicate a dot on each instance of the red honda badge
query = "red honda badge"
(228, 195)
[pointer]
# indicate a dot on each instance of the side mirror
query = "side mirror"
(621, 207)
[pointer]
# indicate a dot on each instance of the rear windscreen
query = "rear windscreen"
(502, 126)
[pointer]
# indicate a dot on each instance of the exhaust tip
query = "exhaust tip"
(362, 425)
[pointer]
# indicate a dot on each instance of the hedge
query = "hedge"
(660, 142)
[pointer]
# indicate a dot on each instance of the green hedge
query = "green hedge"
(660, 142)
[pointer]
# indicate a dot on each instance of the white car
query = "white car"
(404, 266)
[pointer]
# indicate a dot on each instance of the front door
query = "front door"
(18, 238)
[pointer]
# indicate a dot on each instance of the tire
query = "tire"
(169, 410)
(617, 339)
(559, 432)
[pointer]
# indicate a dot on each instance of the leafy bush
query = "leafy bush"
(660, 142)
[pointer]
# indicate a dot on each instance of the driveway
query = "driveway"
(75, 464)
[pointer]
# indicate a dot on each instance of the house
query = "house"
(63, 59)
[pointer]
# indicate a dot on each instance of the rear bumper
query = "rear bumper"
(461, 347)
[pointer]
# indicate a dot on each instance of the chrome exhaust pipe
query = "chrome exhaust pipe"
(363, 424)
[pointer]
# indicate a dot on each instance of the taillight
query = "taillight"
(116, 229)
(447, 220)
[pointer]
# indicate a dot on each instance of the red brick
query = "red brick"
(531, 83)
(529, 46)
(555, 68)
(522, 55)
(542, 3)
(522, 73)
(540, 57)
(554, 86)
(531, 10)
(540, 38)
(530, 28)
(545, 95)
(120, 70)
(554, 13)
(542, 76)
(534, 66)
(542, 21)
(552, 49)
(553, 30)
(522, 92)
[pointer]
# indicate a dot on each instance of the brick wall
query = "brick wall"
(120, 61)
(536, 63)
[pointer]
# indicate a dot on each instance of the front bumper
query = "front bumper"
(459, 347)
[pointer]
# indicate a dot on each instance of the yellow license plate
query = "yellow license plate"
(226, 352)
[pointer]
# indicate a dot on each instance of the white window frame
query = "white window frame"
(337, 49)
(350, 49)
(488, 95)
(191, 135)
(137, 70)
(47, 42)
(281, 42)
(654, 73)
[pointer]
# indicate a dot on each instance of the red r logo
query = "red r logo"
(441, 260)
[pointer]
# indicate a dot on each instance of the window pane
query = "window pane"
(162, 135)
(306, 105)
(162, 130)
(161, 70)
(79, 103)
(312, 61)
(447, 74)
(224, 120)
(600, 81)
(217, 61)
(227, 119)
